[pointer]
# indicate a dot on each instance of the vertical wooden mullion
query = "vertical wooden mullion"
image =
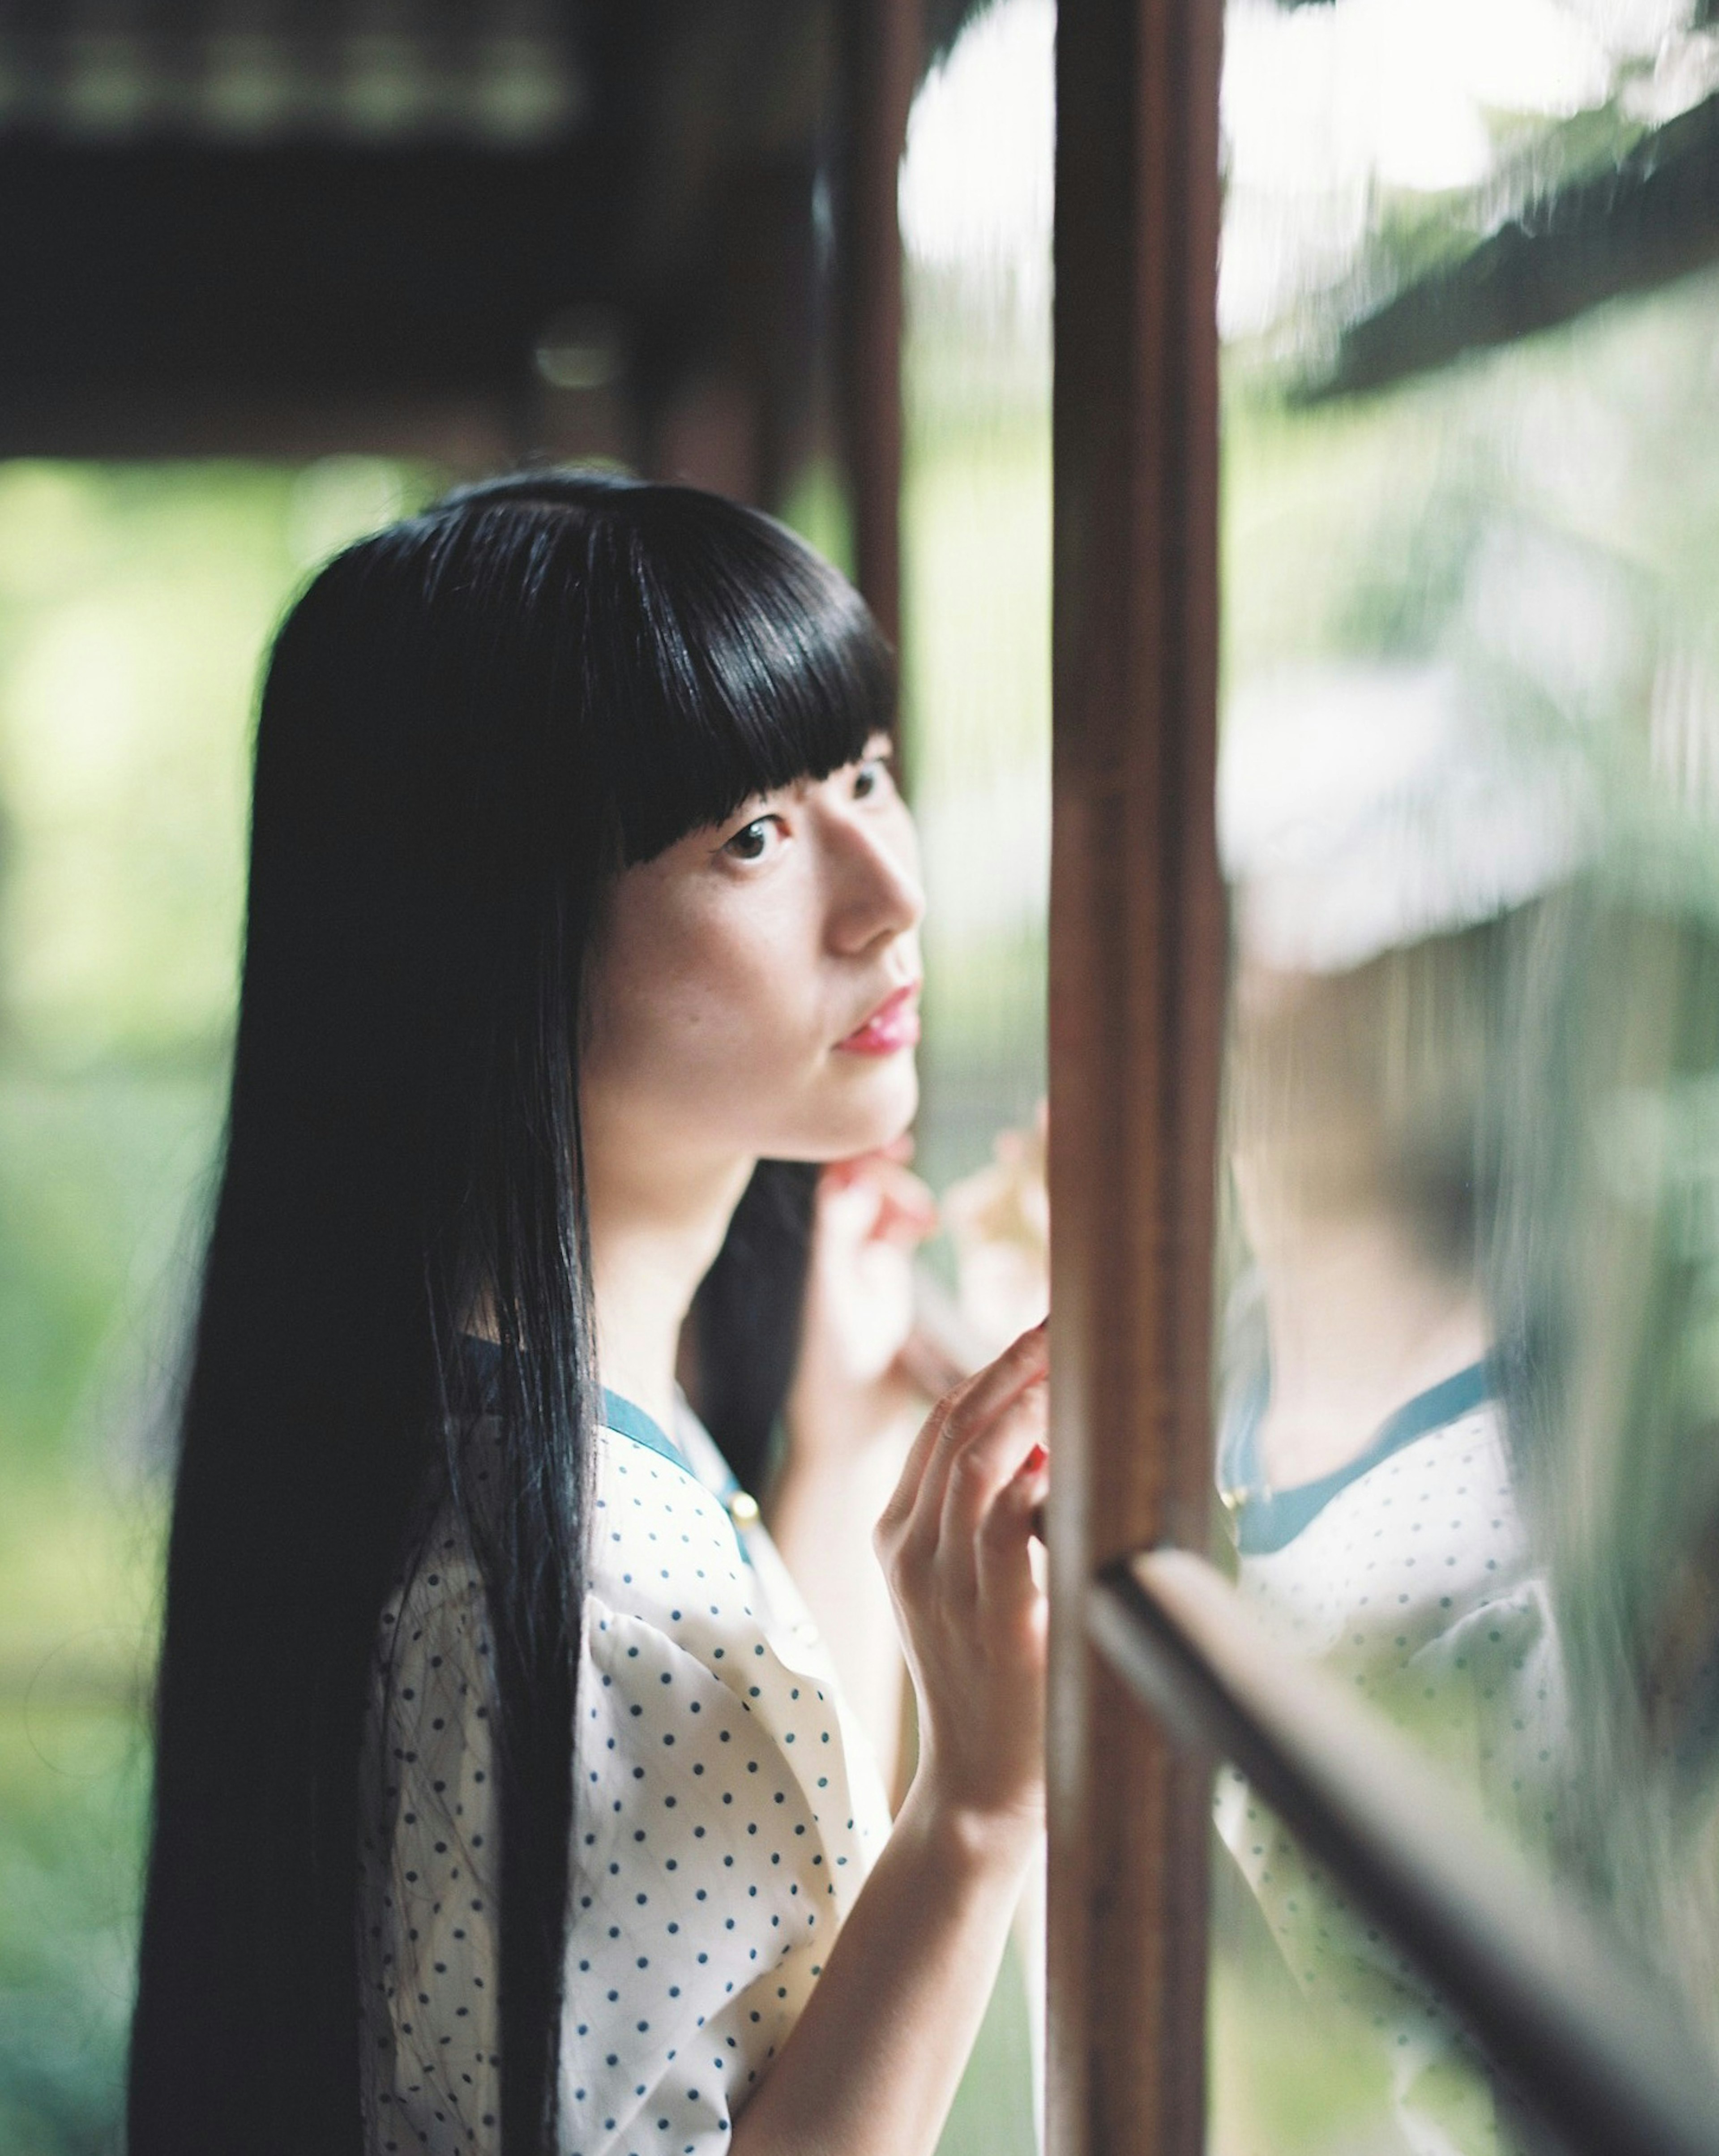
(1135, 1002)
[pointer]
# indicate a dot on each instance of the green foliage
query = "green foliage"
(73, 1787)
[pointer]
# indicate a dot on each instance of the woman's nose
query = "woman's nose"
(876, 892)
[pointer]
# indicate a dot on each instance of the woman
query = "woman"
(578, 887)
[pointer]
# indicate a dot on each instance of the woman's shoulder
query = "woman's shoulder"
(661, 1539)
(654, 1528)
(682, 1621)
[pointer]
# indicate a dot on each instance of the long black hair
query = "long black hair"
(469, 721)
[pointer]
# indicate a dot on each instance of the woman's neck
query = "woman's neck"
(1359, 1322)
(656, 1226)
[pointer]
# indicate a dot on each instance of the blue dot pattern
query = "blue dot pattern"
(726, 1812)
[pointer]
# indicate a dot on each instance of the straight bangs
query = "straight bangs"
(766, 668)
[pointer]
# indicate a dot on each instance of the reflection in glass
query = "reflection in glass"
(1326, 2040)
(1469, 1370)
(1364, 1455)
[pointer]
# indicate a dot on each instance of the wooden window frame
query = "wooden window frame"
(1156, 1670)
(1137, 965)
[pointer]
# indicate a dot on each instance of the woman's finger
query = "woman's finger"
(971, 1406)
(914, 1511)
(986, 1467)
(906, 1494)
(902, 1207)
(1005, 1560)
(907, 1212)
(911, 1484)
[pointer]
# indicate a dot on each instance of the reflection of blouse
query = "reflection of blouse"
(1408, 1572)
(726, 1810)
(1408, 1575)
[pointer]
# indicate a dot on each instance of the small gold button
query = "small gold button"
(743, 1510)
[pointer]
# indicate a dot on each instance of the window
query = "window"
(1454, 1215)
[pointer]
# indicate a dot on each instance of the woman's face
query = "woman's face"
(754, 991)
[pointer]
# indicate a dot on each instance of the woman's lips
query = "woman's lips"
(893, 1026)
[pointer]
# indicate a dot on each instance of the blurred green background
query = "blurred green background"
(134, 605)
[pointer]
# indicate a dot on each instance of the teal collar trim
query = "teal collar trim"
(1269, 1520)
(626, 1420)
(479, 1371)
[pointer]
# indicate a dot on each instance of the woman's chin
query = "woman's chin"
(876, 1103)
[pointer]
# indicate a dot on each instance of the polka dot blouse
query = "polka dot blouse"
(726, 1811)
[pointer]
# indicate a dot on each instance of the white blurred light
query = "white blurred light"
(976, 178)
(988, 856)
(1633, 29)
(1324, 106)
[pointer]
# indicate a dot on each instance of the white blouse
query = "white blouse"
(726, 1809)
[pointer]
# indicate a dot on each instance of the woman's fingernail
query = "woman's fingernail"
(1035, 1459)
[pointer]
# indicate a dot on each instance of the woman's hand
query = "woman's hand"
(850, 1388)
(954, 1541)
(998, 1219)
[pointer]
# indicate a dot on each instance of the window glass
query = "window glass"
(975, 205)
(1469, 1363)
(1325, 2036)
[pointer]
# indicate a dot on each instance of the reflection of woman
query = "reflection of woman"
(1363, 1454)
(1386, 852)
(506, 1799)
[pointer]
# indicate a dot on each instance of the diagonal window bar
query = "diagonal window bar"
(1595, 2048)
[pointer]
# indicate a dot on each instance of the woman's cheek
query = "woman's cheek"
(726, 1043)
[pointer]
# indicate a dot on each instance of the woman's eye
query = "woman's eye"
(753, 843)
(870, 777)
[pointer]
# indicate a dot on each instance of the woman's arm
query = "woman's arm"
(872, 2065)
(821, 1513)
(874, 2062)
(850, 1419)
